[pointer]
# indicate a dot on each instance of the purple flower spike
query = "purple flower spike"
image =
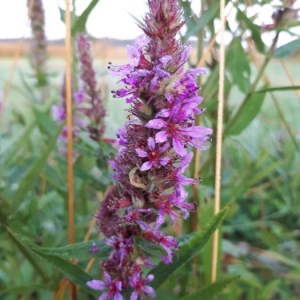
(149, 167)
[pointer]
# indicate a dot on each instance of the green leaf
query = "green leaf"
(239, 66)
(78, 250)
(255, 30)
(27, 254)
(187, 251)
(34, 172)
(73, 272)
(210, 291)
(287, 49)
(203, 20)
(47, 125)
(80, 23)
(279, 89)
(148, 247)
(15, 149)
(246, 113)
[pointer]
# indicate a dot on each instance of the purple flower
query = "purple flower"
(180, 135)
(138, 284)
(153, 155)
(114, 287)
(95, 248)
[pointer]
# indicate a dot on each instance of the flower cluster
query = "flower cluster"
(39, 44)
(88, 108)
(93, 109)
(154, 151)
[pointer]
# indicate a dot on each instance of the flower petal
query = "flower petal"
(151, 143)
(156, 124)
(141, 153)
(161, 137)
(96, 285)
(178, 146)
(146, 166)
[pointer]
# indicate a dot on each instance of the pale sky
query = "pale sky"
(110, 18)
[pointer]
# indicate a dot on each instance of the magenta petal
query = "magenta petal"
(196, 131)
(107, 277)
(163, 161)
(151, 143)
(146, 166)
(156, 124)
(118, 296)
(96, 284)
(141, 153)
(149, 290)
(185, 162)
(178, 147)
(134, 295)
(161, 137)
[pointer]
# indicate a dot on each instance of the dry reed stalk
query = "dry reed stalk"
(68, 47)
(69, 121)
(200, 65)
(219, 141)
(14, 64)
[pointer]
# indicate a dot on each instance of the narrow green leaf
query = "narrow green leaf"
(260, 175)
(239, 66)
(287, 49)
(78, 250)
(47, 124)
(80, 23)
(187, 251)
(34, 172)
(246, 113)
(210, 291)
(138, 21)
(279, 89)
(73, 272)
(12, 152)
(255, 30)
(204, 19)
(27, 254)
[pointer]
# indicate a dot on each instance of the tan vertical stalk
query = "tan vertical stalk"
(219, 141)
(15, 63)
(69, 121)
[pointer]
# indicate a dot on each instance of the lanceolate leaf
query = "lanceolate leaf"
(27, 254)
(187, 251)
(34, 172)
(246, 113)
(78, 250)
(239, 65)
(255, 30)
(71, 271)
(210, 291)
(204, 19)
